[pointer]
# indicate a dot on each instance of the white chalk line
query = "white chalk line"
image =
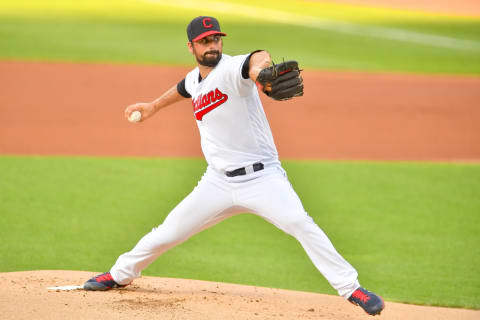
(66, 288)
(277, 16)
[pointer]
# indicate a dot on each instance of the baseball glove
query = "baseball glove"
(281, 81)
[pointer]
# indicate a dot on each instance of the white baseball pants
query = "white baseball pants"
(266, 193)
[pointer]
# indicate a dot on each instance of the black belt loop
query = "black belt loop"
(241, 171)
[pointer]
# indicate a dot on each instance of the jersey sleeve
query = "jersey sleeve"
(236, 72)
(246, 65)
(189, 83)
(182, 90)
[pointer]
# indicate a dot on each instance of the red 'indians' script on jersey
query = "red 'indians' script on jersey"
(205, 103)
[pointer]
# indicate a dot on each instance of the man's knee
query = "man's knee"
(297, 223)
(166, 235)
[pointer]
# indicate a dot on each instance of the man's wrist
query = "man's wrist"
(155, 107)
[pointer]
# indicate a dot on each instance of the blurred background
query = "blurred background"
(383, 148)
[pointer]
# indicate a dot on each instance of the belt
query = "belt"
(243, 171)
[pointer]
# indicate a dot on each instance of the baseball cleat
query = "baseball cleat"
(369, 301)
(102, 282)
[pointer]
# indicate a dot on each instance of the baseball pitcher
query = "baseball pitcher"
(244, 172)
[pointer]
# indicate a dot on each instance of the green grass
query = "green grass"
(410, 229)
(128, 31)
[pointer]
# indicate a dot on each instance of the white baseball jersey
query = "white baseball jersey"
(233, 127)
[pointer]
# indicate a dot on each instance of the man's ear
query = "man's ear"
(190, 47)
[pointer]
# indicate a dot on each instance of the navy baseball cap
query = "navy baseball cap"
(203, 26)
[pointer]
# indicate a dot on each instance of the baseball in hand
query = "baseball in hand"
(135, 116)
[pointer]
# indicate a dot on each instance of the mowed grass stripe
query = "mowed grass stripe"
(168, 10)
(322, 36)
(165, 43)
(275, 14)
(410, 229)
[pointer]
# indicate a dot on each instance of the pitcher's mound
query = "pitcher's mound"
(24, 295)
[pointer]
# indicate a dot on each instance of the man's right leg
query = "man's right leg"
(208, 204)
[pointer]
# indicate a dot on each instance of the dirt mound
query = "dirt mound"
(24, 295)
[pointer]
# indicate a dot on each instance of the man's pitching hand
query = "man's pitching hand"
(146, 109)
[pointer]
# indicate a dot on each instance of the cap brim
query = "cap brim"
(208, 33)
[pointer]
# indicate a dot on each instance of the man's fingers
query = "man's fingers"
(130, 109)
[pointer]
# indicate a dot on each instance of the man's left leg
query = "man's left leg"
(273, 198)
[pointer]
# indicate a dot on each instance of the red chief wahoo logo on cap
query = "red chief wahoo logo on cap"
(203, 26)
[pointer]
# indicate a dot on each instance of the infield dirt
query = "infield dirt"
(457, 7)
(78, 109)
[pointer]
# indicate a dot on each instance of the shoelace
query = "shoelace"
(361, 296)
(104, 277)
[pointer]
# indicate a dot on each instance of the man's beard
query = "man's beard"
(209, 60)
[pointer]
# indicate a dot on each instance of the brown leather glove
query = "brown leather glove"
(281, 81)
